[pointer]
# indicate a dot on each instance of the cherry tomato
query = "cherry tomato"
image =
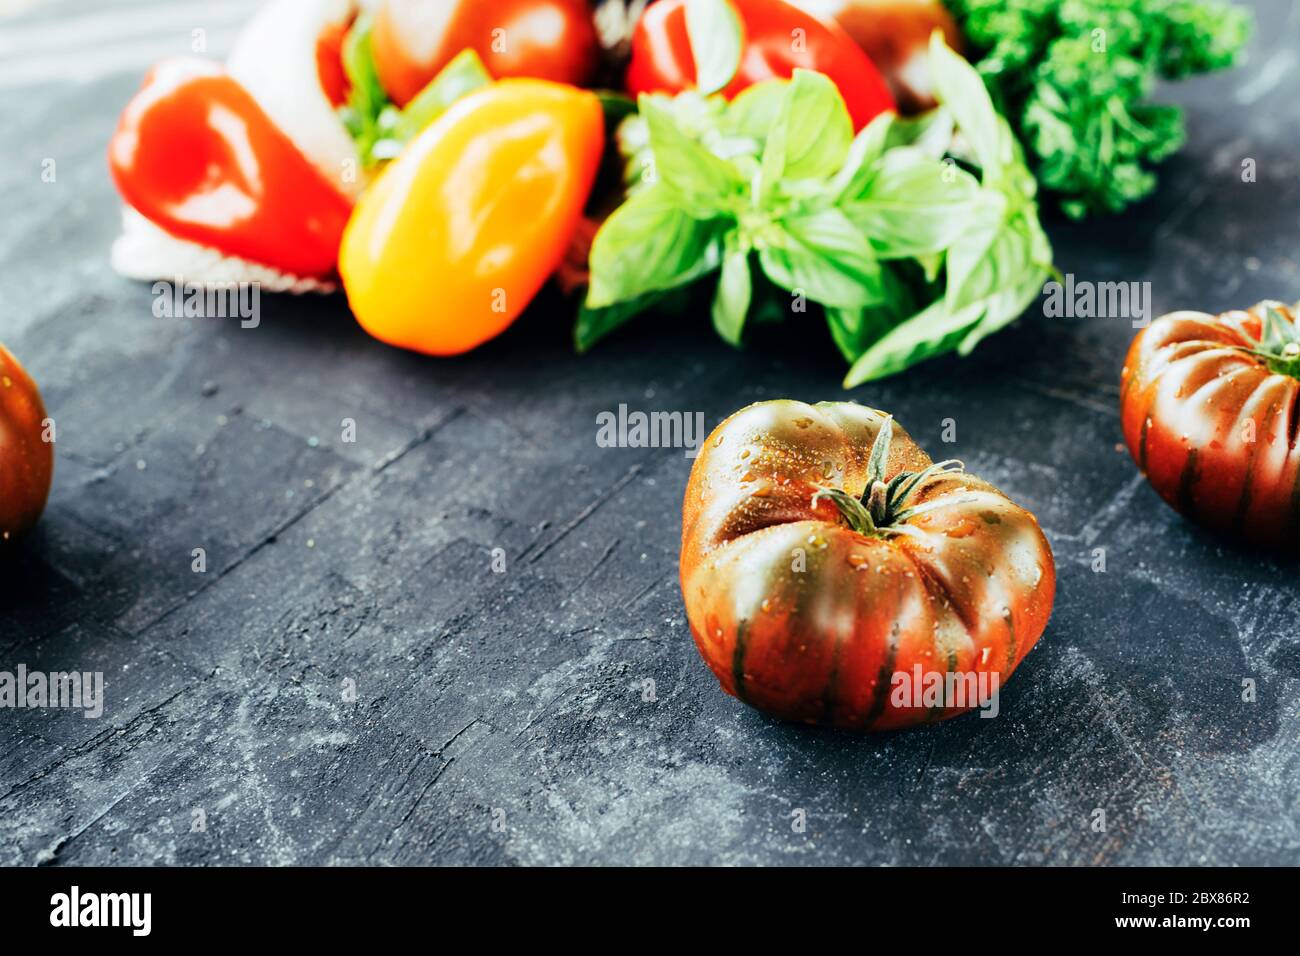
(26, 458)
(812, 576)
(549, 39)
(194, 153)
(329, 63)
(895, 34)
(459, 233)
(778, 39)
(1212, 422)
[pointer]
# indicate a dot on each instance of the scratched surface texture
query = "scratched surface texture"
(500, 718)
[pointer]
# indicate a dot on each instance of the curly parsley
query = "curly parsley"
(1075, 78)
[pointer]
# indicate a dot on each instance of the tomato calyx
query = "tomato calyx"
(1279, 343)
(884, 508)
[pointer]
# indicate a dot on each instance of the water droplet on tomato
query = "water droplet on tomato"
(962, 529)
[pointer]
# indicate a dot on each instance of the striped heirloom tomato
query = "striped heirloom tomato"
(26, 458)
(824, 555)
(1209, 406)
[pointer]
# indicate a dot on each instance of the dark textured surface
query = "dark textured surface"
(501, 717)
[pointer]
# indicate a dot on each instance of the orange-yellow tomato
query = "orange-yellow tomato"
(459, 233)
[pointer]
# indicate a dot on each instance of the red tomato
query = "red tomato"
(895, 34)
(549, 39)
(778, 39)
(26, 458)
(1212, 423)
(813, 576)
(194, 153)
(329, 63)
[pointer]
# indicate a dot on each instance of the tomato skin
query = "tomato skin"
(26, 459)
(545, 39)
(194, 153)
(334, 81)
(972, 592)
(1213, 428)
(662, 61)
(895, 35)
(459, 233)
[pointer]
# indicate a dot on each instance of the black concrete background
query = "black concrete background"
(500, 718)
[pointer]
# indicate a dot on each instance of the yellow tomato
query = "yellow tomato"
(459, 233)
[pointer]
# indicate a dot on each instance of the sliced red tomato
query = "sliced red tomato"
(778, 39)
(194, 153)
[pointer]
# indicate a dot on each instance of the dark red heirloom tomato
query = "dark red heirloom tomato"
(26, 459)
(778, 39)
(823, 553)
(1209, 406)
(546, 39)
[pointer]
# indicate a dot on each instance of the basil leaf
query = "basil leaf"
(825, 257)
(464, 74)
(914, 206)
(853, 177)
(931, 132)
(1005, 305)
(960, 89)
(366, 95)
(754, 111)
(811, 134)
(717, 38)
(972, 249)
(616, 106)
(735, 288)
(846, 327)
(593, 325)
(705, 184)
(650, 243)
(930, 332)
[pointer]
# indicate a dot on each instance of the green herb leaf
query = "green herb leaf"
(717, 38)
(464, 74)
(731, 300)
(754, 111)
(366, 96)
(930, 332)
(914, 205)
(811, 134)
(704, 183)
(649, 244)
(826, 258)
(593, 325)
(961, 91)
(1074, 77)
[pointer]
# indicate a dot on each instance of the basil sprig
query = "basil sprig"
(378, 126)
(917, 236)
